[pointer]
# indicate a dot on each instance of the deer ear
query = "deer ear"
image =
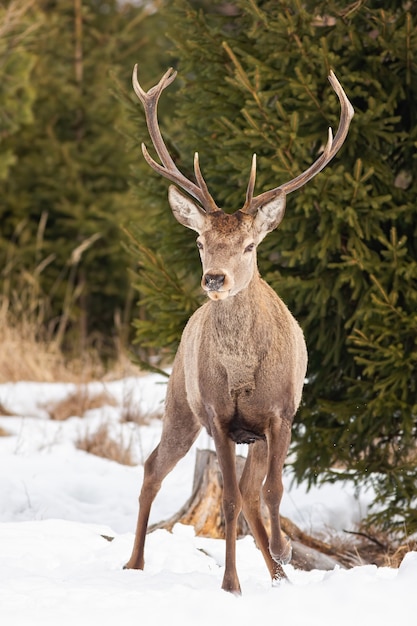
(185, 210)
(269, 215)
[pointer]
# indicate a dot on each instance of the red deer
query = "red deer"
(241, 363)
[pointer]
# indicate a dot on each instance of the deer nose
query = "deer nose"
(214, 282)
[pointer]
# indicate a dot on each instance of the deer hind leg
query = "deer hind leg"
(278, 439)
(232, 504)
(250, 487)
(177, 438)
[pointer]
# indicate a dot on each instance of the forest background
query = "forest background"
(92, 263)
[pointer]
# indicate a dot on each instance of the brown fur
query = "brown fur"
(240, 367)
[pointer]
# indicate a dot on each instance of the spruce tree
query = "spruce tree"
(67, 193)
(16, 91)
(253, 79)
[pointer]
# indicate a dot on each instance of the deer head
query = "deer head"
(227, 243)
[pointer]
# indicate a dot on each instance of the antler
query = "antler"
(199, 191)
(168, 169)
(333, 146)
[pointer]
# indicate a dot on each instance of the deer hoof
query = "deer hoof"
(134, 565)
(284, 557)
(231, 585)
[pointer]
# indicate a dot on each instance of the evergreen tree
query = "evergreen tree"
(16, 92)
(344, 258)
(67, 193)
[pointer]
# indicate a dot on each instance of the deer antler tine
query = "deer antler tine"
(328, 145)
(171, 175)
(154, 164)
(341, 94)
(136, 86)
(203, 185)
(347, 112)
(169, 76)
(251, 186)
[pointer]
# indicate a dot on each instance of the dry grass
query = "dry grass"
(384, 549)
(370, 546)
(102, 444)
(78, 403)
(132, 412)
(22, 357)
(32, 335)
(25, 355)
(4, 411)
(394, 558)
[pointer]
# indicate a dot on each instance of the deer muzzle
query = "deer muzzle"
(216, 284)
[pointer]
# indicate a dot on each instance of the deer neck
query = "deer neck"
(235, 335)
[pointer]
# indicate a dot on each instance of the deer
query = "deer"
(241, 363)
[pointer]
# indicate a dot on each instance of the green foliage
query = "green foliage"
(65, 191)
(253, 79)
(16, 62)
(166, 296)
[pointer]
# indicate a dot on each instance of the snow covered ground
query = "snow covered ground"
(57, 503)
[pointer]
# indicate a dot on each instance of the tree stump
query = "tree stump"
(204, 511)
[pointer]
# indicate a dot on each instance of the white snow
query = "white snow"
(57, 503)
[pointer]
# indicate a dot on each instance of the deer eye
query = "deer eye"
(199, 245)
(250, 247)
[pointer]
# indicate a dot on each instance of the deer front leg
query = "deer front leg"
(278, 439)
(250, 488)
(176, 440)
(232, 504)
(150, 488)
